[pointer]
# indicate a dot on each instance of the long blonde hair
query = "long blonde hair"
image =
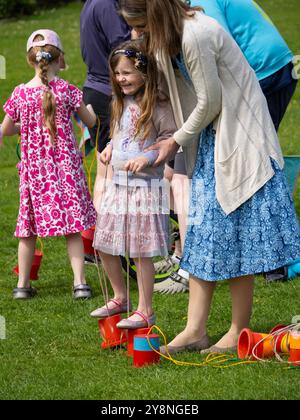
(49, 103)
(151, 93)
(164, 19)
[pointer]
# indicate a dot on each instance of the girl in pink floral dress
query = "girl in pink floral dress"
(54, 198)
(133, 214)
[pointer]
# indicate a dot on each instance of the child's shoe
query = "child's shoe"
(91, 260)
(82, 291)
(130, 324)
(118, 308)
(24, 292)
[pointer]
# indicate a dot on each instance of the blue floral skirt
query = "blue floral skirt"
(261, 235)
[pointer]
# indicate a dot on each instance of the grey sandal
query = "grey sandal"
(82, 291)
(24, 292)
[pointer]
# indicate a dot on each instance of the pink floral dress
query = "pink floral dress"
(54, 197)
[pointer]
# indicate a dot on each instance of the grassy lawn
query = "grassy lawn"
(52, 348)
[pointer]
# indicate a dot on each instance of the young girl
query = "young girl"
(54, 198)
(242, 217)
(133, 218)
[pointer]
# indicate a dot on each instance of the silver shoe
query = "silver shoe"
(24, 292)
(82, 291)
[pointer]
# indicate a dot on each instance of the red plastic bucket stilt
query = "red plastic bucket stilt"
(143, 353)
(131, 334)
(112, 336)
(87, 238)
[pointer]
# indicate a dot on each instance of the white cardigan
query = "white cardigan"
(224, 91)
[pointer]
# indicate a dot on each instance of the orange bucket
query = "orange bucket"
(249, 339)
(87, 238)
(112, 336)
(38, 255)
(282, 340)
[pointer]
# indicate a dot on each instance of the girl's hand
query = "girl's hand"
(167, 150)
(106, 155)
(137, 165)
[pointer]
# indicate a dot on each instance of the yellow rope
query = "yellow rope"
(41, 243)
(215, 360)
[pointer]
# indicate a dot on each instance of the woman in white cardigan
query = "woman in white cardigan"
(242, 219)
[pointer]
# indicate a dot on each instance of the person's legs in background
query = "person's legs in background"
(176, 282)
(101, 105)
(278, 90)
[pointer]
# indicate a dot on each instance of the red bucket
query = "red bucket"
(87, 238)
(131, 334)
(112, 336)
(35, 265)
(143, 350)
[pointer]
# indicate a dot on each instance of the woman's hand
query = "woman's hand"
(137, 165)
(167, 150)
(106, 155)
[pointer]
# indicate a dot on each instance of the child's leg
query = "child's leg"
(113, 268)
(145, 278)
(76, 255)
(25, 258)
(242, 299)
(200, 297)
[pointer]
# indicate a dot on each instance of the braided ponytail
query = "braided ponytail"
(49, 102)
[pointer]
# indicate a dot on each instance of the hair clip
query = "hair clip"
(42, 55)
(140, 59)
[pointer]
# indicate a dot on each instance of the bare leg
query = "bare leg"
(242, 300)
(113, 268)
(25, 258)
(100, 181)
(76, 256)
(145, 277)
(180, 189)
(168, 174)
(200, 297)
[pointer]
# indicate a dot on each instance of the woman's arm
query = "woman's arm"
(200, 51)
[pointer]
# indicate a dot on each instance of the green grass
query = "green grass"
(52, 350)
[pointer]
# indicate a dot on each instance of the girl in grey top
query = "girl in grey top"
(133, 215)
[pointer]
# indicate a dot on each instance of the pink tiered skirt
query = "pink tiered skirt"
(133, 221)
